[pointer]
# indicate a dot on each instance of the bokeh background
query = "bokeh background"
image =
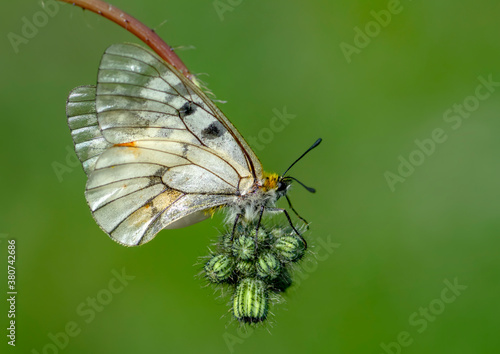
(389, 250)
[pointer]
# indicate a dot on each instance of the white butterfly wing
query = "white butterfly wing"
(157, 151)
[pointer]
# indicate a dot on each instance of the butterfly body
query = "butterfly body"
(157, 152)
(263, 193)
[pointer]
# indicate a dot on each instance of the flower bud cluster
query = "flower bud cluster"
(256, 267)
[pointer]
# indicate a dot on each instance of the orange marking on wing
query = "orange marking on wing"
(131, 144)
(157, 205)
(131, 148)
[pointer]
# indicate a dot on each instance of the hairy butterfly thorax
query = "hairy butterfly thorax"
(264, 192)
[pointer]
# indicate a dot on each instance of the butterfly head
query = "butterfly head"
(282, 187)
(276, 184)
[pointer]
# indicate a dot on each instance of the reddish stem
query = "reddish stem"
(137, 28)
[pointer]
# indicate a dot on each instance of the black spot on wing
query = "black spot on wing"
(214, 130)
(154, 210)
(154, 180)
(184, 150)
(161, 171)
(187, 109)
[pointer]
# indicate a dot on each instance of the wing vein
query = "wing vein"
(151, 66)
(126, 195)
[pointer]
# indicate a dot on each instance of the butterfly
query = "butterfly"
(158, 153)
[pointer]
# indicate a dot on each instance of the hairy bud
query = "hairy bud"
(250, 302)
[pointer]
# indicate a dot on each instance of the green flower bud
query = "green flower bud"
(244, 247)
(226, 241)
(219, 268)
(263, 236)
(289, 248)
(268, 266)
(277, 232)
(250, 303)
(246, 268)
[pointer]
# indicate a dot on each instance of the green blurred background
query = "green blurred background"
(394, 249)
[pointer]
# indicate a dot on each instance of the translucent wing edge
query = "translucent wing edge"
(88, 140)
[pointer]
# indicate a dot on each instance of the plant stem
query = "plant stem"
(137, 28)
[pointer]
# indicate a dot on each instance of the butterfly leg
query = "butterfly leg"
(234, 226)
(258, 226)
(290, 221)
(293, 209)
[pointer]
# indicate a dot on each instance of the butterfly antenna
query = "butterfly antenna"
(304, 154)
(309, 189)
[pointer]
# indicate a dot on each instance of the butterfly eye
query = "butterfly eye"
(282, 186)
